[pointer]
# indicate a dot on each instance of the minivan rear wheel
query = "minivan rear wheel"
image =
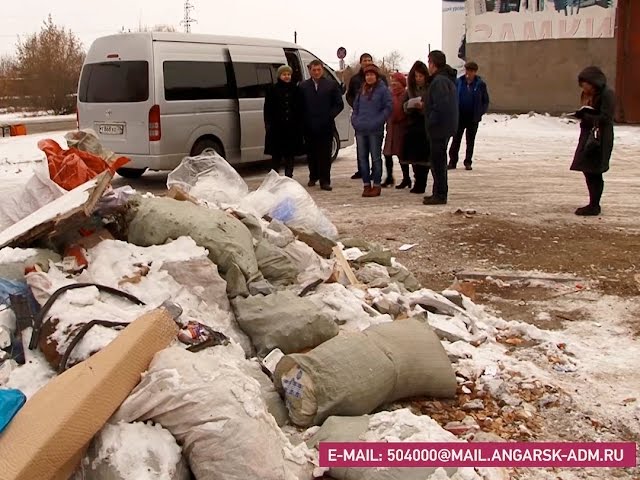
(335, 146)
(131, 172)
(205, 143)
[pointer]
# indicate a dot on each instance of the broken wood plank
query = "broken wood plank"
(344, 264)
(177, 193)
(103, 182)
(46, 219)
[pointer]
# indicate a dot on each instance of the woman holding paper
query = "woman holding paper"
(416, 144)
(596, 135)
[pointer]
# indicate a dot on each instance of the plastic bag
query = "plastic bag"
(38, 192)
(11, 401)
(114, 199)
(87, 140)
(72, 168)
(211, 178)
(287, 201)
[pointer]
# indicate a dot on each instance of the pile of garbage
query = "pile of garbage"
(223, 333)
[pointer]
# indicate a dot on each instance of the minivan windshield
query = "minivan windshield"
(115, 82)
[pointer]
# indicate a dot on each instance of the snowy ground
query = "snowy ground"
(524, 197)
(29, 118)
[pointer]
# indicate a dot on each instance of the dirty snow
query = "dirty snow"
(34, 374)
(139, 451)
(27, 118)
(347, 310)
(12, 255)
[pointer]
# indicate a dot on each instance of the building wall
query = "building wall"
(540, 75)
(628, 81)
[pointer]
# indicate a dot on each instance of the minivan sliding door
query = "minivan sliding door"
(253, 68)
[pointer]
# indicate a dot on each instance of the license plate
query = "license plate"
(111, 129)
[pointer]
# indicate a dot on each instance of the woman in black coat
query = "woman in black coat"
(596, 135)
(416, 143)
(283, 122)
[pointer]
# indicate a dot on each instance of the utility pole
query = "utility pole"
(188, 20)
(295, 37)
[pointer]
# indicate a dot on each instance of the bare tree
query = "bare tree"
(163, 28)
(7, 76)
(49, 64)
(160, 27)
(393, 61)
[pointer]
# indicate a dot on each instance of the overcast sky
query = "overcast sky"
(322, 26)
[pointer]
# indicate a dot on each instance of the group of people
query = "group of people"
(301, 118)
(421, 114)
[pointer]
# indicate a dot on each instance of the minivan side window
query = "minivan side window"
(187, 80)
(294, 63)
(114, 82)
(307, 58)
(254, 79)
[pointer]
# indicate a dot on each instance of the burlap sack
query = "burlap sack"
(215, 410)
(283, 320)
(229, 242)
(354, 373)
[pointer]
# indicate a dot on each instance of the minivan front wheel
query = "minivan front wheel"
(335, 147)
(132, 173)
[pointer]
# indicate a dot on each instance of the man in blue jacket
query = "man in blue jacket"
(473, 99)
(322, 103)
(441, 117)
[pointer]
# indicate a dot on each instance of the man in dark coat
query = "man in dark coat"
(473, 101)
(441, 117)
(355, 87)
(322, 101)
(596, 135)
(283, 122)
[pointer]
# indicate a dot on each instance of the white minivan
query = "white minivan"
(158, 97)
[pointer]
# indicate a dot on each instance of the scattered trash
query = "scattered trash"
(73, 167)
(271, 320)
(213, 391)
(72, 206)
(100, 385)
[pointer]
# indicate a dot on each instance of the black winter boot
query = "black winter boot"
(406, 183)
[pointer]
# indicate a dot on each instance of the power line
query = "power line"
(187, 21)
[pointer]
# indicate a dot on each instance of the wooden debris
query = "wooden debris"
(323, 246)
(344, 264)
(467, 289)
(177, 193)
(73, 208)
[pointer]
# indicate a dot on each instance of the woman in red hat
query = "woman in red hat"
(371, 110)
(396, 130)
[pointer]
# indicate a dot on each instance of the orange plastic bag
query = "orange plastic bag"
(71, 168)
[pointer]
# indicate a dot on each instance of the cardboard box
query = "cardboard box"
(47, 438)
